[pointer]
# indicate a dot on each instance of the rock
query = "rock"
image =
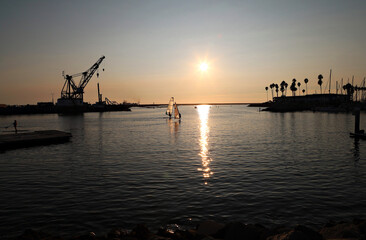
(278, 230)
(186, 235)
(236, 230)
(88, 236)
(209, 227)
(116, 234)
(141, 232)
(208, 238)
(163, 232)
(157, 237)
(355, 230)
(232, 231)
(362, 227)
(298, 233)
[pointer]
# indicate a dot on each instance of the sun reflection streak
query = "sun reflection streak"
(203, 111)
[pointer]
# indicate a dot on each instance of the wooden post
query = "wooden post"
(357, 121)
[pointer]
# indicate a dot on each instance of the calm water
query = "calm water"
(223, 163)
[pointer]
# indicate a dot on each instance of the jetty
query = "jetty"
(19, 140)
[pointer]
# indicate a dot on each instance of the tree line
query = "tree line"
(296, 86)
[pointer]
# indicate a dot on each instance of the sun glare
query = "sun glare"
(203, 67)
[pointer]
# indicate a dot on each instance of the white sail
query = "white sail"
(176, 112)
(169, 110)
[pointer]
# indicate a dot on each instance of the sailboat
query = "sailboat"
(172, 109)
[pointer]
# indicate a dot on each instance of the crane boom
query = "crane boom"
(74, 93)
(89, 73)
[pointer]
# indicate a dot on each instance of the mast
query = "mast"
(330, 79)
(342, 86)
(363, 88)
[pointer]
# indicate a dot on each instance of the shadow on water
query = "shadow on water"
(100, 132)
(356, 150)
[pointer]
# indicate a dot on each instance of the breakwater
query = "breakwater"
(314, 102)
(355, 229)
(51, 108)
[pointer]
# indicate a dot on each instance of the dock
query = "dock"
(19, 140)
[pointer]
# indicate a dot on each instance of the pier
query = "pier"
(19, 140)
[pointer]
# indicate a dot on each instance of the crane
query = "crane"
(72, 93)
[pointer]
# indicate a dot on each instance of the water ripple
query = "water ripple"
(220, 162)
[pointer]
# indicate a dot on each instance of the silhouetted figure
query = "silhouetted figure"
(15, 126)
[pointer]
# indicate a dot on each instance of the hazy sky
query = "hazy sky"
(153, 48)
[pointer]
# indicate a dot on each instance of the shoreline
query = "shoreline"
(211, 230)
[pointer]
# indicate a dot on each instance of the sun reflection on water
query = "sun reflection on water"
(203, 111)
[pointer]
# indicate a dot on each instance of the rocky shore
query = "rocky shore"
(210, 230)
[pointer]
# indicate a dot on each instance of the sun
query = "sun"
(203, 67)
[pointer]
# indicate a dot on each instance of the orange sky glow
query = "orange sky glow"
(155, 49)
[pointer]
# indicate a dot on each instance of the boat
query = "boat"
(172, 109)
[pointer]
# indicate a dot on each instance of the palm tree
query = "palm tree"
(306, 83)
(299, 84)
(293, 87)
(276, 86)
(272, 86)
(267, 92)
(286, 85)
(303, 91)
(320, 82)
(282, 89)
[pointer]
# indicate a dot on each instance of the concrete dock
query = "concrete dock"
(18, 140)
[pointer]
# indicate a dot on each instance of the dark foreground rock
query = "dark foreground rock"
(210, 230)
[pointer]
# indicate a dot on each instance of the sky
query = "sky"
(153, 49)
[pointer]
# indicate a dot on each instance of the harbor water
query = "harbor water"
(223, 163)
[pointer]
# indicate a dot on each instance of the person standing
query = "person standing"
(15, 126)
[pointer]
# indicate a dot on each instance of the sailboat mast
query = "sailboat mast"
(342, 86)
(330, 79)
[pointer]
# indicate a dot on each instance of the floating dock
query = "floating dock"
(19, 140)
